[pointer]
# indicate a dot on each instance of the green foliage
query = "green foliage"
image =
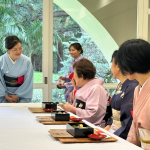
(24, 19)
(58, 95)
(91, 52)
(37, 76)
(16, 18)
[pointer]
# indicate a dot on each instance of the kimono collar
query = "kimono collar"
(126, 82)
(78, 59)
(11, 59)
(145, 88)
(141, 97)
(91, 83)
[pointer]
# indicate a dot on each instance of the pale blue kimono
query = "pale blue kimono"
(21, 67)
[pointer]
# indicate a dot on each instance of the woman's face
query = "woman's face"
(77, 79)
(74, 52)
(115, 69)
(15, 52)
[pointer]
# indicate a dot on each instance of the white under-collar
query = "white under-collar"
(11, 59)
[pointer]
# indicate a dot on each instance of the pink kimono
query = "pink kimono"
(91, 102)
(141, 114)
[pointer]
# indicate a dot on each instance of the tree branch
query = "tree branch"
(56, 14)
(28, 8)
(60, 14)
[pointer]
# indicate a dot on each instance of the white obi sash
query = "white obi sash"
(116, 121)
(144, 138)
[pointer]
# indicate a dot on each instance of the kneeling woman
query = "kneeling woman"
(90, 101)
(16, 73)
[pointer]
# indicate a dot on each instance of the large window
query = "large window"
(67, 31)
(32, 24)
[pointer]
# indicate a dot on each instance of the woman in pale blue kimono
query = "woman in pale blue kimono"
(75, 50)
(16, 73)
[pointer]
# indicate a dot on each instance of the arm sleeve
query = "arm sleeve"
(92, 105)
(109, 122)
(26, 89)
(67, 80)
(69, 100)
(108, 116)
(3, 88)
(132, 135)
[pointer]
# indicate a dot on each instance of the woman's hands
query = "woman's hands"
(62, 78)
(107, 127)
(74, 84)
(11, 98)
(70, 108)
(61, 86)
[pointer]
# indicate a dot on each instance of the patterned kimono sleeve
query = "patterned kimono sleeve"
(125, 115)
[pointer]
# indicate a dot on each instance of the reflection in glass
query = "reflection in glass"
(37, 96)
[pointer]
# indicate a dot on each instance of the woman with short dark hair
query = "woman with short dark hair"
(90, 101)
(134, 62)
(16, 73)
(121, 102)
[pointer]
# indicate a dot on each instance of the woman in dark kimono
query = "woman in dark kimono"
(121, 102)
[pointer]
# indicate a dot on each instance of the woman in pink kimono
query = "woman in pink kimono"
(134, 62)
(90, 101)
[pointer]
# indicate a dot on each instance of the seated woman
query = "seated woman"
(134, 62)
(16, 73)
(90, 100)
(75, 50)
(122, 102)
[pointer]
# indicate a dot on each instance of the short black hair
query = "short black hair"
(11, 41)
(134, 57)
(84, 68)
(115, 57)
(77, 46)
